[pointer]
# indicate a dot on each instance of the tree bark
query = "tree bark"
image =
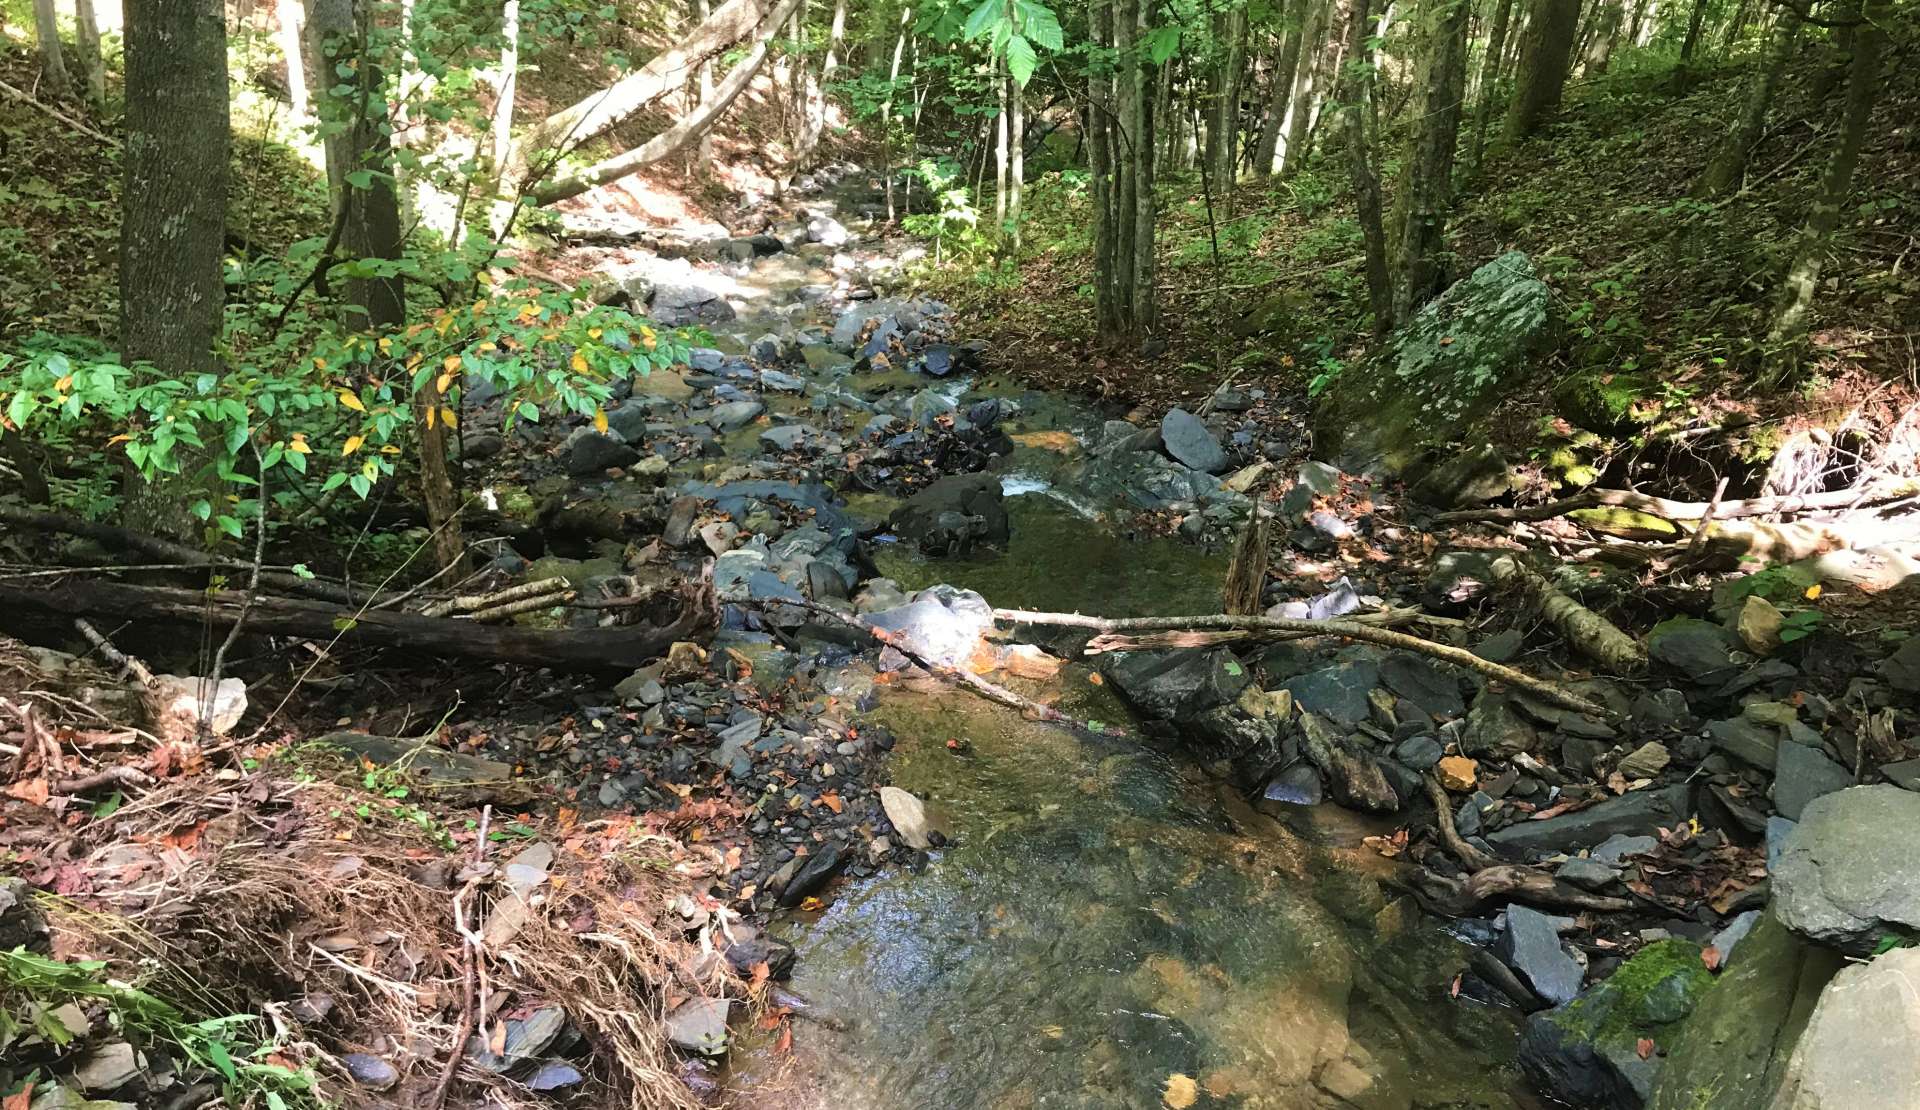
(290, 33)
(595, 649)
(358, 145)
(1353, 98)
(1545, 53)
(1100, 164)
(1016, 159)
(1489, 81)
(506, 85)
(1316, 44)
(172, 290)
(1607, 18)
(1266, 158)
(886, 106)
(829, 64)
(1223, 89)
(1696, 21)
(53, 64)
(1000, 160)
(1729, 163)
(1426, 189)
(1836, 186)
(1144, 301)
(683, 131)
(703, 157)
(93, 68)
(664, 73)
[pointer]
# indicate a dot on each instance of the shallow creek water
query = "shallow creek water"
(1108, 928)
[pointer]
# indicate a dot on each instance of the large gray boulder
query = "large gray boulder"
(1848, 875)
(1187, 438)
(1858, 1050)
(954, 515)
(1442, 374)
(1733, 1049)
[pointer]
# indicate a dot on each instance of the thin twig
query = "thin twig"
(209, 687)
(56, 113)
(470, 955)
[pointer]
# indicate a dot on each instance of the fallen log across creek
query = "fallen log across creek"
(580, 649)
(1116, 634)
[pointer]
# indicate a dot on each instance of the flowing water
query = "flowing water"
(1108, 927)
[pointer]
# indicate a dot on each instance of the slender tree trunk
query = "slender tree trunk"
(1314, 48)
(1145, 301)
(172, 291)
(1126, 154)
(1000, 158)
(1016, 161)
(886, 105)
(1489, 81)
(1640, 10)
(1427, 176)
(291, 34)
(1353, 96)
(93, 68)
(1836, 60)
(1163, 110)
(1223, 90)
(1266, 158)
(53, 64)
(1737, 24)
(829, 64)
(1100, 165)
(1696, 22)
(1790, 322)
(1545, 53)
(1729, 163)
(1607, 17)
(369, 214)
(506, 83)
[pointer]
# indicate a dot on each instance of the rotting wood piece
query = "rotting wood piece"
(1589, 633)
(591, 649)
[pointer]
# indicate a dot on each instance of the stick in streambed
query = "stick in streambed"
(1349, 630)
(991, 691)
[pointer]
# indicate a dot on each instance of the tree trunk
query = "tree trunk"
(1544, 56)
(1606, 32)
(172, 290)
(1729, 163)
(1489, 81)
(1101, 159)
(1223, 91)
(1000, 160)
(1016, 160)
(53, 64)
(1696, 21)
(1634, 30)
(886, 105)
(1427, 175)
(683, 131)
(829, 64)
(1353, 96)
(1266, 158)
(1315, 45)
(1836, 186)
(93, 68)
(1144, 302)
(664, 73)
(507, 84)
(358, 146)
(291, 36)
(703, 156)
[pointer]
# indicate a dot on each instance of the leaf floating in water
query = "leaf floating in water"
(1181, 1091)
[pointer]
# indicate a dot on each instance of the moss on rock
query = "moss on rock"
(1587, 1052)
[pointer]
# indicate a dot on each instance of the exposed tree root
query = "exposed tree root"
(1351, 630)
(1492, 880)
(1689, 510)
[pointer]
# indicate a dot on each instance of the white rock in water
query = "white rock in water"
(908, 815)
(179, 702)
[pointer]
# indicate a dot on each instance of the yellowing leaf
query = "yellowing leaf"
(486, 278)
(448, 418)
(479, 306)
(1181, 1091)
(1813, 592)
(443, 383)
(579, 363)
(386, 345)
(389, 449)
(593, 333)
(432, 414)
(487, 348)
(299, 445)
(443, 323)
(319, 363)
(600, 420)
(451, 364)
(118, 439)
(414, 361)
(63, 384)
(353, 444)
(351, 400)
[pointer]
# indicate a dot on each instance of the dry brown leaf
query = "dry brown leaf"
(31, 791)
(831, 799)
(1181, 1091)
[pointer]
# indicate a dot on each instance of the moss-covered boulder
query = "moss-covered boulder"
(1442, 374)
(1601, 1051)
(1608, 401)
(1733, 1049)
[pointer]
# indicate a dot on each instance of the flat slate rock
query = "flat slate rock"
(1642, 811)
(1531, 947)
(1803, 774)
(1187, 439)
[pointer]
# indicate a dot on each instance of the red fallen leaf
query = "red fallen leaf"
(761, 973)
(32, 791)
(831, 799)
(19, 1099)
(1453, 991)
(785, 1044)
(1644, 1047)
(1551, 811)
(1711, 957)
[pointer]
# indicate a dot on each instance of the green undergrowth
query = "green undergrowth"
(1660, 298)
